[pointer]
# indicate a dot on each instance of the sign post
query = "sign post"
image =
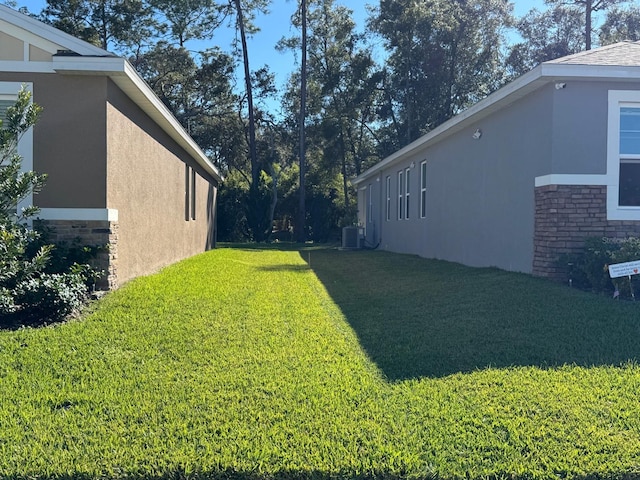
(626, 269)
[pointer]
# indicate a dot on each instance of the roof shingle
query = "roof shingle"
(619, 54)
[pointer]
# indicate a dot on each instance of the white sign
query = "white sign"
(624, 269)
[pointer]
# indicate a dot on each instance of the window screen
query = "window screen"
(4, 105)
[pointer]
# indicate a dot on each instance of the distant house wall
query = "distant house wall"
(150, 183)
(479, 192)
(530, 189)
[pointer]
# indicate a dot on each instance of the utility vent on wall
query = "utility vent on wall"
(352, 238)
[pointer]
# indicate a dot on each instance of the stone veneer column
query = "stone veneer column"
(566, 215)
(101, 233)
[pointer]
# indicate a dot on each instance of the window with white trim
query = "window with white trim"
(423, 189)
(407, 191)
(400, 195)
(629, 151)
(388, 200)
(623, 155)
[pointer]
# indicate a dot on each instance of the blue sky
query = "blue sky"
(276, 25)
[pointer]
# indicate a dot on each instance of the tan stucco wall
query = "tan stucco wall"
(146, 184)
(101, 151)
(38, 55)
(11, 48)
(69, 141)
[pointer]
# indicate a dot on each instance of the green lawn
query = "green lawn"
(249, 363)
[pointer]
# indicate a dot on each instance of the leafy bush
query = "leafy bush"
(51, 296)
(589, 269)
(31, 290)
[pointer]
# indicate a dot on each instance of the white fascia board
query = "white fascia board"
(26, 67)
(571, 179)
(77, 65)
(585, 72)
(80, 214)
(49, 33)
(128, 80)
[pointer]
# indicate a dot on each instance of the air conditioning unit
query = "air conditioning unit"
(352, 238)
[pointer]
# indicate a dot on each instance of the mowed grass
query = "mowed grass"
(251, 363)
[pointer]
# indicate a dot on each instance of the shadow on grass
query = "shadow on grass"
(416, 317)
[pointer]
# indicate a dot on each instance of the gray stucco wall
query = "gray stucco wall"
(481, 192)
(480, 197)
(580, 128)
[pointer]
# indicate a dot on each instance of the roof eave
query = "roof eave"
(527, 83)
(50, 33)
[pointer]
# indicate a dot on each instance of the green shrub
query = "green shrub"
(589, 269)
(51, 296)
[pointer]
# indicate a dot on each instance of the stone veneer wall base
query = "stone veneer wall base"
(100, 233)
(566, 215)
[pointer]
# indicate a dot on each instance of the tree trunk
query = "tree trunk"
(588, 6)
(345, 179)
(256, 215)
(300, 234)
(255, 169)
(274, 199)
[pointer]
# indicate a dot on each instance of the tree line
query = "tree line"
(341, 109)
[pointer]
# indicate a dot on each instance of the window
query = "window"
(623, 155)
(193, 194)
(388, 203)
(400, 195)
(370, 200)
(187, 191)
(407, 191)
(423, 189)
(629, 151)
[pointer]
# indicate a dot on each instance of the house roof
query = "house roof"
(73, 56)
(620, 54)
(618, 62)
